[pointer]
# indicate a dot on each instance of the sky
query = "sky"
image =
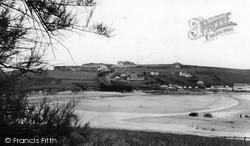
(156, 32)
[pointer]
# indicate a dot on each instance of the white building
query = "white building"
(103, 68)
(135, 78)
(164, 86)
(221, 88)
(122, 75)
(179, 87)
(177, 65)
(154, 73)
(126, 64)
(185, 74)
(120, 65)
(200, 83)
(241, 87)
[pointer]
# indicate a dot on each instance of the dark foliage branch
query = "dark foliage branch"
(29, 27)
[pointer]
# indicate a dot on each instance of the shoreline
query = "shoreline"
(107, 94)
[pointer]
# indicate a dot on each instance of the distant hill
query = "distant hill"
(168, 74)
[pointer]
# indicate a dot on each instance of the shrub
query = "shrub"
(21, 118)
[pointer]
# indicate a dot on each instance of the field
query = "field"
(65, 80)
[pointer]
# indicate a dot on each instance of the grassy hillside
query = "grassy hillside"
(210, 75)
(168, 74)
(127, 137)
(60, 80)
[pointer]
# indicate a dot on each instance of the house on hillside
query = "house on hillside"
(172, 86)
(200, 83)
(102, 68)
(72, 69)
(123, 75)
(241, 87)
(222, 88)
(227, 88)
(177, 65)
(179, 87)
(212, 87)
(126, 64)
(154, 73)
(117, 77)
(120, 65)
(185, 74)
(164, 86)
(133, 75)
(135, 78)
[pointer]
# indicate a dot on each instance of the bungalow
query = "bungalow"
(72, 69)
(102, 68)
(185, 74)
(133, 75)
(117, 77)
(220, 87)
(154, 73)
(213, 88)
(228, 88)
(172, 86)
(135, 78)
(120, 65)
(241, 87)
(164, 86)
(178, 87)
(127, 63)
(200, 83)
(122, 75)
(177, 65)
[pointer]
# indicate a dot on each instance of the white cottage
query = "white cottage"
(241, 87)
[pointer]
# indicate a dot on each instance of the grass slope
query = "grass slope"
(168, 75)
(60, 80)
(127, 137)
(210, 75)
